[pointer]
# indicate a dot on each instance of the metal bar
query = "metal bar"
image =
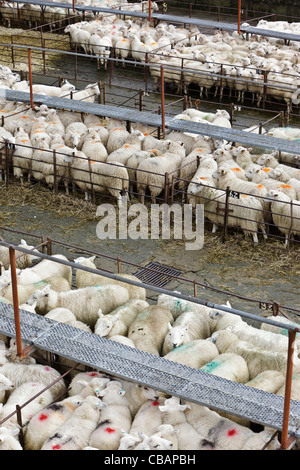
(14, 283)
(288, 389)
(239, 15)
(30, 77)
(162, 94)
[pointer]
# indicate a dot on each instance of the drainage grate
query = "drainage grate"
(157, 274)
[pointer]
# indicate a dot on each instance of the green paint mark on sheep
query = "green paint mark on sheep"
(40, 284)
(210, 366)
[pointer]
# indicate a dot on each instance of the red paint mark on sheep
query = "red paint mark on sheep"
(93, 374)
(109, 430)
(231, 432)
(43, 417)
(155, 403)
(56, 447)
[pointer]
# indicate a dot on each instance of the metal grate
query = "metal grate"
(157, 274)
(154, 371)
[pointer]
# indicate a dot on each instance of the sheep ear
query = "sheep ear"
(169, 326)
(228, 304)
(92, 258)
(100, 314)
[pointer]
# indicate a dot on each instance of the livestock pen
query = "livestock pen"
(123, 362)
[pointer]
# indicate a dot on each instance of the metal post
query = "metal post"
(239, 16)
(30, 77)
(226, 214)
(149, 12)
(288, 389)
(162, 93)
(12, 257)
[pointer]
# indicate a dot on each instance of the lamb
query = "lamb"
(114, 418)
(187, 327)
(19, 396)
(46, 422)
(149, 329)
(116, 139)
(92, 146)
(154, 442)
(137, 394)
(226, 177)
(86, 279)
(285, 213)
(21, 373)
(75, 433)
(8, 441)
(46, 269)
(223, 434)
(87, 94)
(279, 329)
(23, 260)
(295, 390)
(74, 134)
(194, 354)
(173, 413)
(167, 431)
(80, 380)
(230, 366)
(221, 320)
(5, 138)
(118, 321)
(123, 340)
(84, 303)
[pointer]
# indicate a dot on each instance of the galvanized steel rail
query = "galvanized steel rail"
(126, 114)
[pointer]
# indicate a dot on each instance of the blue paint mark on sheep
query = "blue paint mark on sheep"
(210, 366)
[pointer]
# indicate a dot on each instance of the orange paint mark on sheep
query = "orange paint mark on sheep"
(199, 150)
(260, 185)
(24, 140)
(266, 169)
(285, 186)
(236, 169)
(202, 178)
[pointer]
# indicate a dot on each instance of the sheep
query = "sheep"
(46, 269)
(154, 442)
(173, 413)
(46, 422)
(278, 329)
(187, 327)
(246, 212)
(295, 389)
(100, 46)
(19, 396)
(118, 321)
(80, 380)
(269, 381)
(257, 359)
(75, 433)
(7, 140)
(21, 373)
(285, 213)
(270, 161)
(116, 139)
(23, 260)
(137, 394)
(86, 279)
(194, 354)
(87, 94)
(151, 172)
(22, 155)
(12, 353)
(93, 147)
(225, 177)
(222, 434)
(167, 431)
(84, 303)
(8, 441)
(149, 329)
(114, 418)
(5, 385)
(221, 320)
(74, 133)
(147, 419)
(230, 366)
(123, 340)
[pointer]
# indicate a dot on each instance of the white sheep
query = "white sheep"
(46, 269)
(5, 384)
(223, 434)
(23, 260)
(285, 213)
(19, 396)
(21, 373)
(149, 329)
(74, 133)
(187, 327)
(84, 303)
(80, 380)
(147, 419)
(173, 413)
(86, 279)
(225, 177)
(137, 394)
(123, 340)
(92, 146)
(8, 439)
(153, 173)
(230, 366)
(295, 388)
(44, 423)
(22, 155)
(75, 433)
(114, 417)
(278, 329)
(269, 381)
(118, 321)
(194, 354)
